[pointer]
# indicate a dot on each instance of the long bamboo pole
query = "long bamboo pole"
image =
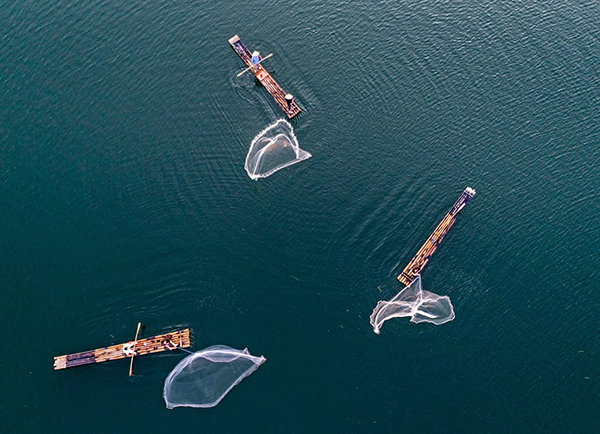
(250, 67)
(134, 343)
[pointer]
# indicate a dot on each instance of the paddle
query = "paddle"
(250, 67)
(134, 342)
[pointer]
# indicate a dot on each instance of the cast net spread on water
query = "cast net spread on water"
(205, 377)
(273, 149)
(416, 303)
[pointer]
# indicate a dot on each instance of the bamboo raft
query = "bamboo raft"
(154, 344)
(417, 263)
(265, 78)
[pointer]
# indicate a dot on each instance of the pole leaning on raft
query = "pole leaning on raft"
(133, 349)
(417, 263)
(249, 68)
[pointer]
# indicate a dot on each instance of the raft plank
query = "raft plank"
(265, 78)
(419, 261)
(154, 344)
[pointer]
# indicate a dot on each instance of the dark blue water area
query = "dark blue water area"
(124, 198)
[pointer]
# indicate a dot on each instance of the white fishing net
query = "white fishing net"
(272, 149)
(413, 302)
(205, 377)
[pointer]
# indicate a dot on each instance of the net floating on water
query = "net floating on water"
(273, 149)
(416, 303)
(204, 378)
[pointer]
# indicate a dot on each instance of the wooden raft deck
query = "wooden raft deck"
(154, 344)
(417, 263)
(265, 78)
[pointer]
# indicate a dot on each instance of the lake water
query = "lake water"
(124, 198)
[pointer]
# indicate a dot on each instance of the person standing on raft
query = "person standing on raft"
(256, 58)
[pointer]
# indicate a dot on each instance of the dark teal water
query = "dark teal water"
(124, 198)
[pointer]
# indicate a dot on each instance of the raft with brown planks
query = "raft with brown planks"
(417, 263)
(265, 78)
(154, 344)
